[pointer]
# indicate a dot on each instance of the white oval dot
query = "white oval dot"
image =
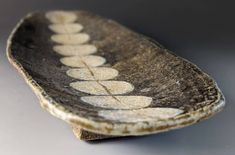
(118, 102)
(71, 50)
(93, 73)
(83, 61)
(60, 17)
(66, 28)
(103, 87)
(140, 115)
(70, 39)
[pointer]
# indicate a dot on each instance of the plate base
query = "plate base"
(89, 136)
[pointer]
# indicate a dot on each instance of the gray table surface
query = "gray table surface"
(201, 31)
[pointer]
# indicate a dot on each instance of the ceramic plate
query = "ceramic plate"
(104, 78)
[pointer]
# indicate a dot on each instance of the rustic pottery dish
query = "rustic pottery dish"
(106, 80)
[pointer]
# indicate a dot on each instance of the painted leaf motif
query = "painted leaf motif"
(73, 50)
(66, 28)
(93, 73)
(61, 17)
(84, 61)
(154, 73)
(103, 87)
(140, 115)
(70, 39)
(118, 102)
(126, 108)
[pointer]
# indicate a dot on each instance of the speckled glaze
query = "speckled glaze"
(171, 81)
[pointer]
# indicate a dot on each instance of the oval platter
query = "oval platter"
(106, 80)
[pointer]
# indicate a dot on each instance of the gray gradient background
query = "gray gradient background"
(201, 31)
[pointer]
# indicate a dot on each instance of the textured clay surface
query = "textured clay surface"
(155, 72)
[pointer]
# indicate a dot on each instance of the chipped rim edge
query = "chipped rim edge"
(119, 129)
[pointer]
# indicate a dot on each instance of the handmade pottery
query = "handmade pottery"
(106, 80)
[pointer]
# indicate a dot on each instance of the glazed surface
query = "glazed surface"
(170, 81)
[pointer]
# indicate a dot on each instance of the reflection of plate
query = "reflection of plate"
(101, 77)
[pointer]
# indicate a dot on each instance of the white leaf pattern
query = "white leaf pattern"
(103, 87)
(126, 108)
(70, 39)
(140, 115)
(66, 28)
(61, 17)
(118, 102)
(93, 73)
(73, 50)
(83, 61)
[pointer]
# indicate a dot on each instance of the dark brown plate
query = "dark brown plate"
(119, 83)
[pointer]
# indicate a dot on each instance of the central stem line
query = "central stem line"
(104, 87)
(88, 67)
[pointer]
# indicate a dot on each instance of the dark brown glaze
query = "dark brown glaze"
(173, 81)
